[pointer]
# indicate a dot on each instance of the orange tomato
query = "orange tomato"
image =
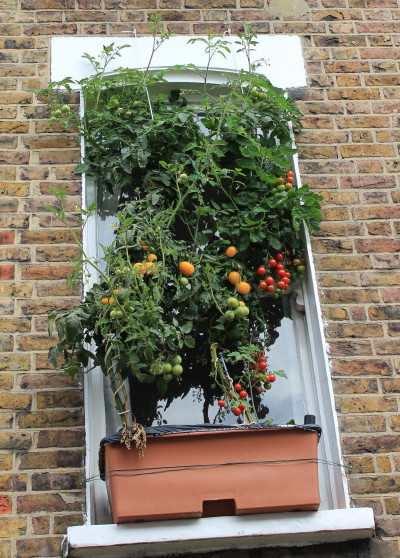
(104, 300)
(243, 287)
(151, 257)
(151, 268)
(230, 251)
(233, 277)
(139, 267)
(186, 268)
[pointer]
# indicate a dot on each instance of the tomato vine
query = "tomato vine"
(195, 173)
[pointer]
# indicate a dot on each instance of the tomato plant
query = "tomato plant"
(202, 210)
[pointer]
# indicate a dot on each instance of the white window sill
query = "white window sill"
(164, 538)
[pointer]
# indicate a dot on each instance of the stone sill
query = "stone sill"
(163, 538)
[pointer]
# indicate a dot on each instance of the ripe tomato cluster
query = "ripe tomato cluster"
(260, 381)
(277, 278)
(277, 274)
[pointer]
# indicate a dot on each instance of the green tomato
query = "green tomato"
(232, 302)
(242, 311)
(57, 113)
(229, 315)
(177, 370)
(168, 377)
(166, 367)
(65, 109)
(116, 314)
(177, 359)
(184, 281)
(182, 178)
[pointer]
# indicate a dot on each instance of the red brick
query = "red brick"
(7, 272)
(5, 504)
(7, 237)
(391, 295)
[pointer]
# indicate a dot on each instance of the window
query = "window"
(305, 327)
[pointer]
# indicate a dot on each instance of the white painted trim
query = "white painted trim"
(218, 533)
(282, 52)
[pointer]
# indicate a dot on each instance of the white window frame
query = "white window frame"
(338, 521)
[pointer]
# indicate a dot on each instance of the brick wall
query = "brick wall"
(348, 153)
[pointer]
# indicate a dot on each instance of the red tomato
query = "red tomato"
(279, 257)
(270, 288)
(261, 270)
(263, 285)
(262, 366)
(243, 394)
(221, 403)
(281, 273)
(241, 406)
(280, 266)
(237, 411)
(281, 284)
(272, 263)
(237, 387)
(269, 280)
(271, 378)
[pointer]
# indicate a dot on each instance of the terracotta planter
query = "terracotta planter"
(218, 472)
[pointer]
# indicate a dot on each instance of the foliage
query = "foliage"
(194, 172)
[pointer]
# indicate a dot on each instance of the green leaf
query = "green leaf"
(187, 327)
(189, 341)
(81, 168)
(73, 327)
(51, 319)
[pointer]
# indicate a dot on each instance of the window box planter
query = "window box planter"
(212, 470)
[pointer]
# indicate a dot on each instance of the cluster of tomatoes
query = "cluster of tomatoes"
(276, 278)
(238, 399)
(283, 184)
(260, 381)
(275, 275)
(260, 372)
